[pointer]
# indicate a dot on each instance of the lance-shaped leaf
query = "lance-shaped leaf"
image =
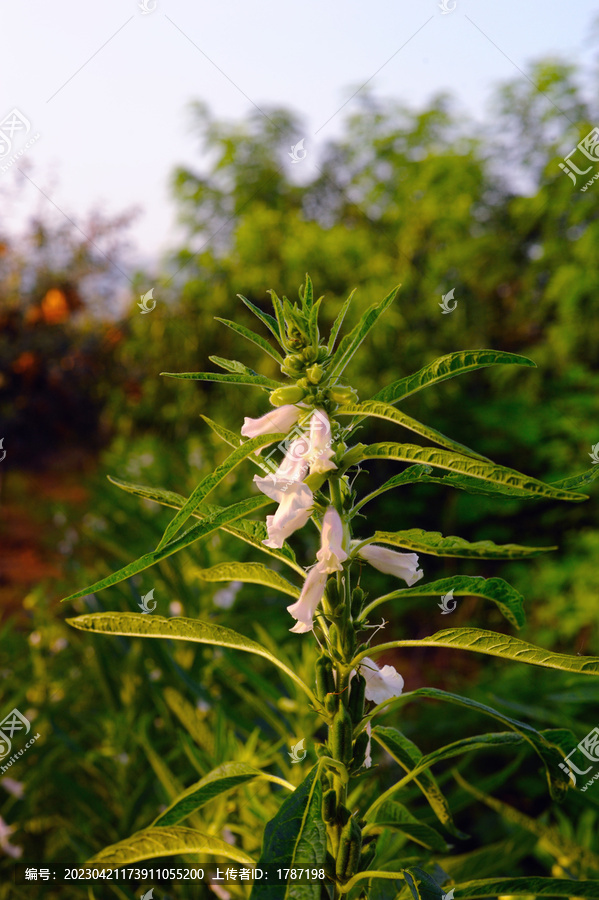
(208, 524)
(549, 751)
(530, 885)
(448, 367)
(351, 342)
(232, 365)
(577, 482)
(407, 754)
(506, 598)
(179, 629)
(433, 543)
(339, 322)
(249, 573)
(254, 338)
(387, 737)
(249, 531)
(207, 484)
(174, 841)
(397, 817)
(267, 320)
(307, 294)
(254, 380)
(295, 838)
(380, 410)
(225, 434)
(486, 472)
(493, 644)
(220, 781)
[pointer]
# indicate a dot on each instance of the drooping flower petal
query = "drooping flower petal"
(280, 419)
(312, 592)
(381, 684)
(403, 565)
(294, 466)
(320, 444)
(331, 553)
(295, 508)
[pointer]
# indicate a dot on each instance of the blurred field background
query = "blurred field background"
(417, 196)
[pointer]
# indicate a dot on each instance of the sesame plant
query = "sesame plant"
(347, 818)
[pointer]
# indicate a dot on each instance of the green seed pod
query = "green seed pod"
(341, 735)
(290, 394)
(329, 806)
(325, 682)
(331, 703)
(356, 698)
(357, 601)
(360, 747)
(350, 846)
(315, 374)
(343, 394)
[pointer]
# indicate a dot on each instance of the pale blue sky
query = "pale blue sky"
(109, 88)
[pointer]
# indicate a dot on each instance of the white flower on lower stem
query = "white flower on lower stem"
(331, 553)
(5, 833)
(320, 444)
(368, 756)
(281, 419)
(295, 508)
(312, 593)
(391, 562)
(381, 684)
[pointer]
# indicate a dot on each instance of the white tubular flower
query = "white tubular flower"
(381, 684)
(280, 419)
(403, 565)
(312, 592)
(295, 508)
(331, 554)
(320, 444)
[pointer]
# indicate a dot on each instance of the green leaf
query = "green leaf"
(398, 818)
(250, 573)
(339, 322)
(232, 365)
(421, 885)
(253, 338)
(576, 482)
(255, 380)
(308, 294)
(249, 531)
(351, 342)
(267, 320)
(506, 598)
(502, 645)
(179, 629)
(278, 308)
(487, 472)
(465, 745)
(207, 484)
(221, 780)
(154, 842)
(411, 475)
(409, 756)
(208, 524)
(531, 884)
(448, 367)
(433, 543)
(550, 753)
(229, 437)
(295, 838)
(390, 414)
